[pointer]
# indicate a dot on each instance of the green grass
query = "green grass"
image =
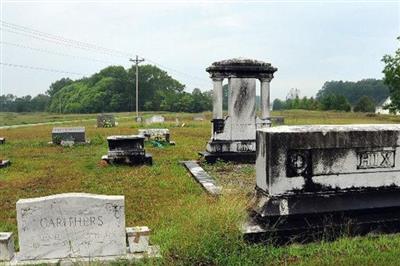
(191, 227)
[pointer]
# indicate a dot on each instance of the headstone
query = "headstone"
(75, 134)
(71, 225)
(158, 134)
(138, 238)
(6, 246)
(128, 149)
(105, 120)
(2, 140)
(155, 119)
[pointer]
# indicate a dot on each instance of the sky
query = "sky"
(310, 42)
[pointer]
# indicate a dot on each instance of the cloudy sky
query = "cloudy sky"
(310, 42)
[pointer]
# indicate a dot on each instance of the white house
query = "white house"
(380, 107)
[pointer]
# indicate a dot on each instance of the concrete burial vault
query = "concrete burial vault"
(233, 137)
(306, 171)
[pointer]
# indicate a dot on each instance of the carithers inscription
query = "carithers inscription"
(54, 222)
(376, 159)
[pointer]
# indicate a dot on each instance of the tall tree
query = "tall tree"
(392, 78)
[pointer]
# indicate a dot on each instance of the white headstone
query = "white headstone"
(71, 225)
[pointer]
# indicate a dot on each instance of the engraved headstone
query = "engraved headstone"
(75, 134)
(71, 225)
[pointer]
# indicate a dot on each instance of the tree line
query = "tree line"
(360, 96)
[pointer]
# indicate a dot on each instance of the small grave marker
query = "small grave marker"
(75, 134)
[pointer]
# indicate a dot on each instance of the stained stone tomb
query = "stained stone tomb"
(310, 170)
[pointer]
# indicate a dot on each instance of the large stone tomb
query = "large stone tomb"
(312, 170)
(106, 120)
(68, 134)
(127, 149)
(233, 137)
(71, 227)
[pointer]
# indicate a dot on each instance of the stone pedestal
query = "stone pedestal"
(233, 136)
(128, 149)
(6, 246)
(138, 238)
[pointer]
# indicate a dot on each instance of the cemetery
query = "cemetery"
(219, 208)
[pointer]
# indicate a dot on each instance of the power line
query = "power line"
(62, 39)
(40, 35)
(54, 53)
(41, 68)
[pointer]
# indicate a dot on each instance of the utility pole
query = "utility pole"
(137, 61)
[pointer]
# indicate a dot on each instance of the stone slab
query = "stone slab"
(6, 246)
(309, 159)
(204, 179)
(71, 225)
(138, 238)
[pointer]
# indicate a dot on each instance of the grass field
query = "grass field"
(191, 227)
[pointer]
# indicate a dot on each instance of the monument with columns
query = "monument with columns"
(233, 136)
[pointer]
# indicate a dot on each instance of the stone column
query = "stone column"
(265, 98)
(217, 97)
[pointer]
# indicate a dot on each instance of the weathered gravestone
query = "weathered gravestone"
(155, 119)
(128, 149)
(305, 171)
(106, 120)
(74, 227)
(71, 225)
(233, 137)
(158, 134)
(68, 134)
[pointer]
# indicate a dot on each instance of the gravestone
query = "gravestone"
(327, 169)
(199, 117)
(2, 140)
(73, 228)
(68, 134)
(233, 137)
(155, 119)
(127, 149)
(158, 134)
(105, 120)
(71, 225)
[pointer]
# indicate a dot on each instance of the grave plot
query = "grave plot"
(74, 228)
(159, 135)
(233, 137)
(310, 177)
(106, 120)
(68, 136)
(128, 149)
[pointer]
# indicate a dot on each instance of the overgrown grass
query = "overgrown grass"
(191, 227)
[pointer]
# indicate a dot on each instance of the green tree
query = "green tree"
(392, 78)
(278, 105)
(365, 105)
